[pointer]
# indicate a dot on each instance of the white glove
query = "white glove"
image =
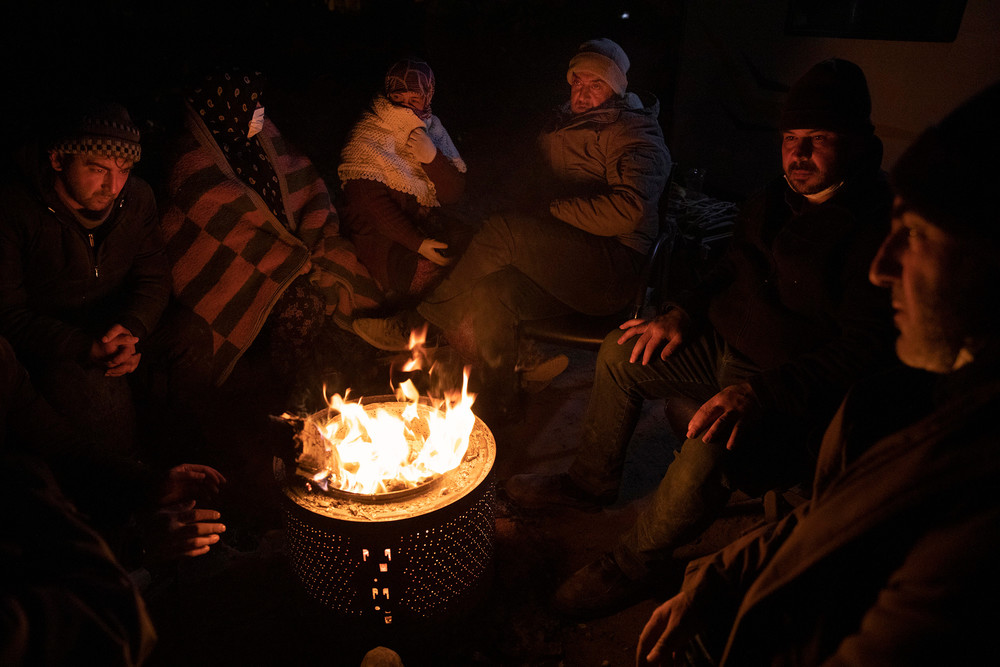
(431, 249)
(420, 145)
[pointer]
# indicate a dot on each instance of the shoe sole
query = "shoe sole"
(377, 344)
(546, 371)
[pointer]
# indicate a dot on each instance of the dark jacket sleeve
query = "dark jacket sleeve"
(32, 427)
(147, 285)
(636, 167)
(370, 208)
(939, 606)
(124, 280)
(64, 594)
(449, 182)
(32, 332)
(716, 583)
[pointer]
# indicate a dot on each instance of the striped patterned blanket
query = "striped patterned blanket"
(232, 258)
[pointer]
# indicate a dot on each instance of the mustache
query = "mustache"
(802, 165)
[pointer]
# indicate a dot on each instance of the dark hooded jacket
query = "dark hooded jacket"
(610, 165)
(893, 561)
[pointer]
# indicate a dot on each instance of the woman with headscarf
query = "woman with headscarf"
(251, 231)
(398, 167)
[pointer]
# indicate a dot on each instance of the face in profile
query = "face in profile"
(813, 160)
(90, 182)
(587, 92)
(932, 280)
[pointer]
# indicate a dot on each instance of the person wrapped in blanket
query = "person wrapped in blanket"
(251, 232)
(399, 171)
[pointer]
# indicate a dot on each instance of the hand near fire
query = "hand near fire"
(181, 530)
(177, 528)
(726, 416)
(190, 481)
(666, 633)
(669, 330)
(115, 350)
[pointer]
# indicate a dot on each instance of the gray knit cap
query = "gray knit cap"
(105, 130)
(604, 59)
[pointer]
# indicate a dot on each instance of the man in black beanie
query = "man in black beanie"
(893, 561)
(764, 348)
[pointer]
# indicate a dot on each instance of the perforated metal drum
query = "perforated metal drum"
(417, 555)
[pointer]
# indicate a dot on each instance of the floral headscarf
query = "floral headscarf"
(414, 76)
(226, 101)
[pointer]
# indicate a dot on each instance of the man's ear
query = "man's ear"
(56, 160)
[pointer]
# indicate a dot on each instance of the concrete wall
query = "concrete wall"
(736, 61)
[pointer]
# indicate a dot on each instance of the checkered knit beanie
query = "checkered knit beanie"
(105, 130)
(832, 95)
(604, 59)
(950, 173)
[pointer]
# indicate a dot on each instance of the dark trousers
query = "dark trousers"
(521, 268)
(140, 413)
(699, 481)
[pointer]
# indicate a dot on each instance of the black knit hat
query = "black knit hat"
(950, 174)
(832, 95)
(105, 130)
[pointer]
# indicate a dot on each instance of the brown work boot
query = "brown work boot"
(599, 589)
(538, 491)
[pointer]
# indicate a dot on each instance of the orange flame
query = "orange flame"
(366, 451)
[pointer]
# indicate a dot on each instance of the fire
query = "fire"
(370, 451)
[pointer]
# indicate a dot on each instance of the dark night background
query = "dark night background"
(498, 63)
(719, 68)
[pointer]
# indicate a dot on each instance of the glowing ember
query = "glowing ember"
(372, 451)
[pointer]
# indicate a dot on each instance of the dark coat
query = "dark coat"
(792, 294)
(61, 285)
(893, 561)
(65, 597)
(381, 221)
(610, 165)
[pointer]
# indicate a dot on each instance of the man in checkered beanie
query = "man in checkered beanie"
(85, 282)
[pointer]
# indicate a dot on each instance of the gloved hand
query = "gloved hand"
(431, 249)
(420, 145)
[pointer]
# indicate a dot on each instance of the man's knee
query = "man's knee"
(697, 464)
(613, 359)
(494, 230)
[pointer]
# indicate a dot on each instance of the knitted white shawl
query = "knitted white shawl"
(376, 150)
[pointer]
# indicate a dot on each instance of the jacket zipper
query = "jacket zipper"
(97, 271)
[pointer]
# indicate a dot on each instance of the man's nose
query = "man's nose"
(804, 148)
(115, 182)
(885, 266)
